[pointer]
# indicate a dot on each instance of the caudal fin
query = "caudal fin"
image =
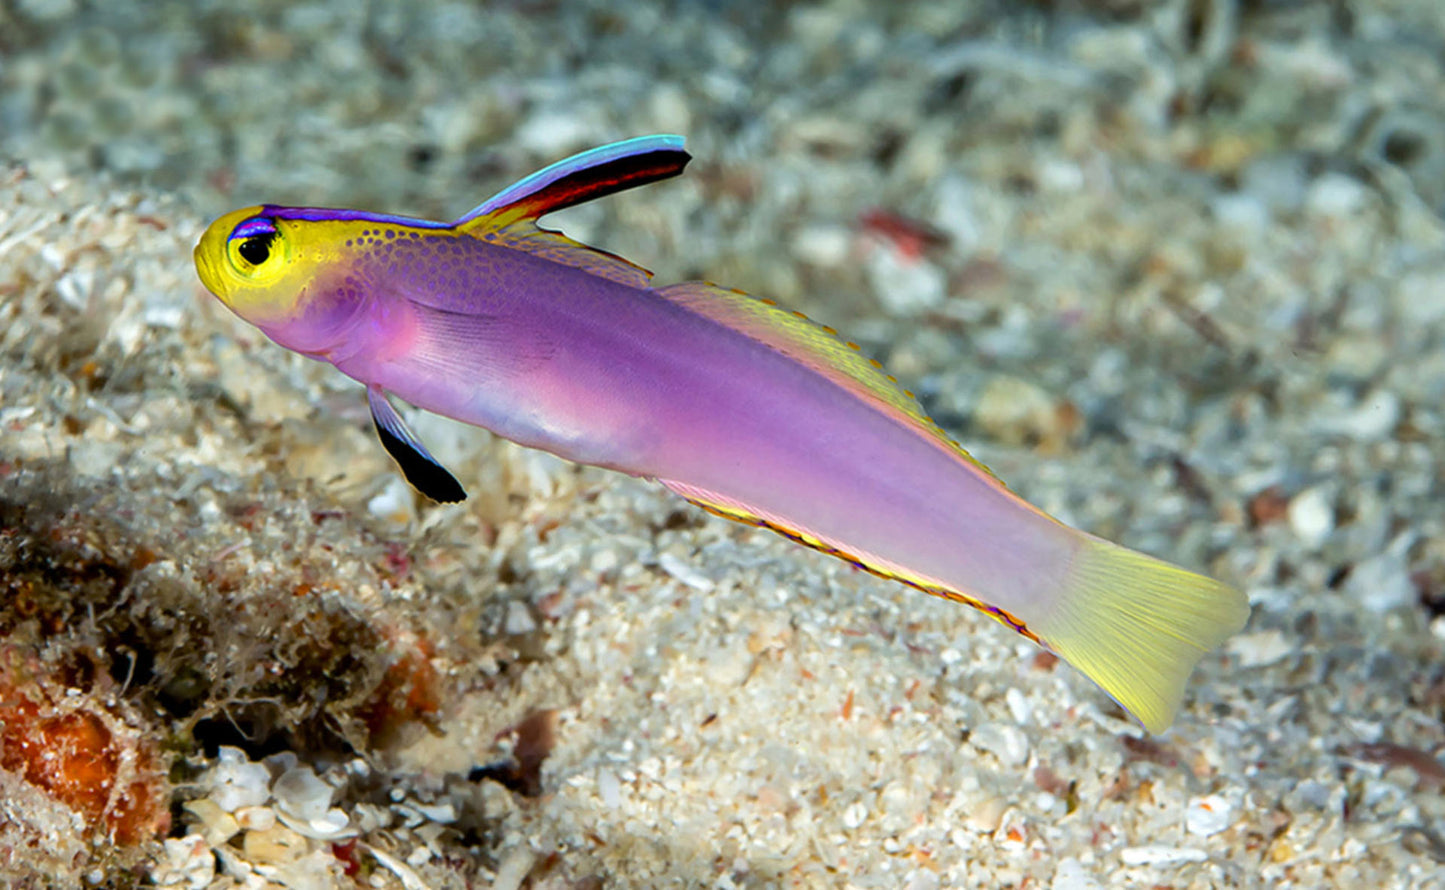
(1137, 626)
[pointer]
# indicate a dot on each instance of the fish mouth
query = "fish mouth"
(206, 268)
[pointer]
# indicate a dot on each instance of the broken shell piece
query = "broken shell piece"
(303, 804)
(1003, 740)
(273, 846)
(1208, 815)
(188, 861)
(218, 826)
(256, 818)
(301, 795)
(281, 761)
(236, 782)
(1161, 855)
(369, 817)
(443, 813)
(331, 825)
(232, 865)
(985, 816)
(409, 879)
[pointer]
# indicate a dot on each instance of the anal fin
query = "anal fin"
(730, 508)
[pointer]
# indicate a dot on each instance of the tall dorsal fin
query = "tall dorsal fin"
(592, 174)
(815, 345)
(509, 217)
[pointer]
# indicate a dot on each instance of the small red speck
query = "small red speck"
(1268, 506)
(847, 711)
(910, 237)
(345, 853)
(550, 605)
(222, 180)
(398, 563)
(1148, 750)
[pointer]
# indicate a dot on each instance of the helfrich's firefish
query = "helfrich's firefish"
(749, 411)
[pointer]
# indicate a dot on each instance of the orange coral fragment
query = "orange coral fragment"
(73, 754)
(410, 691)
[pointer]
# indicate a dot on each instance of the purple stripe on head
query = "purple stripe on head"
(256, 225)
(326, 214)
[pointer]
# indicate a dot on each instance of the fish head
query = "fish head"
(256, 264)
(276, 272)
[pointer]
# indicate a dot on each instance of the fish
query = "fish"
(744, 408)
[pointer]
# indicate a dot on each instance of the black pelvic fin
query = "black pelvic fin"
(422, 470)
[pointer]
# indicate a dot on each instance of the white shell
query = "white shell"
(331, 825)
(1208, 815)
(301, 795)
(235, 782)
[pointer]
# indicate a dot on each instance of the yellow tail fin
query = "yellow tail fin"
(1136, 626)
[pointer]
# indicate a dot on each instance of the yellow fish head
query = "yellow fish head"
(260, 266)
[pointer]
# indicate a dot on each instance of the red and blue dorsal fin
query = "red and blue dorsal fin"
(592, 174)
(509, 217)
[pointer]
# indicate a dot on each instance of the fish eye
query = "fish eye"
(253, 244)
(256, 249)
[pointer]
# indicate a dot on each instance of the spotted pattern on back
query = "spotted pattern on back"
(527, 236)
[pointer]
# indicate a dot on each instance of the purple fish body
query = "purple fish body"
(750, 411)
(619, 376)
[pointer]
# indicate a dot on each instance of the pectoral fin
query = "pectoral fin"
(422, 470)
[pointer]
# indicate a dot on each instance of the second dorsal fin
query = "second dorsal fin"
(527, 236)
(815, 345)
